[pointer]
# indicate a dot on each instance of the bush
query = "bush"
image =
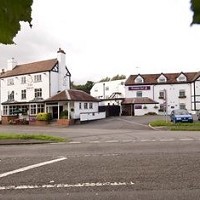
(64, 114)
(151, 113)
(43, 116)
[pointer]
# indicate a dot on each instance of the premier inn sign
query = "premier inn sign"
(142, 87)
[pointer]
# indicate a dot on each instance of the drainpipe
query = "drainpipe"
(194, 96)
(104, 95)
(58, 110)
(68, 108)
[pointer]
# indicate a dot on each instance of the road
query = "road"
(102, 162)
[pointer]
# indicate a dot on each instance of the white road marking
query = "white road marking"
(167, 140)
(112, 141)
(95, 141)
(98, 184)
(75, 142)
(32, 167)
(186, 139)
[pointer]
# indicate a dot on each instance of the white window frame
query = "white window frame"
(23, 80)
(38, 92)
(23, 94)
(38, 78)
(10, 81)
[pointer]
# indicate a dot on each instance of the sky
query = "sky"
(103, 38)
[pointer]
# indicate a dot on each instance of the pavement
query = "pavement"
(23, 142)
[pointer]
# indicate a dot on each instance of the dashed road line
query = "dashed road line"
(78, 185)
(167, 140)
(186, 139)
(133, 141)
(112, 141)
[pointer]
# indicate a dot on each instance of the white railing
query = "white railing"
(92, 116)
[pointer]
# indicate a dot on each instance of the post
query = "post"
(68, 108)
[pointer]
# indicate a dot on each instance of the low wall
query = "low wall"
(8, 119)
(92, 116)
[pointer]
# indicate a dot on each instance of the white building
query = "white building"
(162, 93)
(109, 91)
(26, 88)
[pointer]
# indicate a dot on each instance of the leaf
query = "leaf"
(11, 13)
(195, 7)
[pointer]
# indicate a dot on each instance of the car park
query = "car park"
(181, 115)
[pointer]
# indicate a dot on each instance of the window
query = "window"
(40, 108)
(182, 94)
(137, 106)
(85, 105)
(139, 94)
(10, 81)
(33, 109)
(80, 106)
(182, 106)
(38, 78)
(5, 110)
(23, 94)
(11, 96)
(138, 80)
(12, 109)
(107, 88)
(23, 79)
(161, 80)
(38, 92)
(161, 95)
(181, 78)
(90, 105)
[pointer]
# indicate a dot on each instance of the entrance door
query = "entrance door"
(55, 111)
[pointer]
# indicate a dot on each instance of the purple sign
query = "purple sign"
(142, 87)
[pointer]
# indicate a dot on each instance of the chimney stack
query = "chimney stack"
(11, 64)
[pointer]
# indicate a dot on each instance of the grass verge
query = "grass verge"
(195, 126)
(11, 136)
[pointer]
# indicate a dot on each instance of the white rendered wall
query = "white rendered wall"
(104, 90)
(29, 86)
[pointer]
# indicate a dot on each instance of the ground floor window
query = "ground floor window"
(33, 109)
(182, 106)
(5, 110)
(40, 108)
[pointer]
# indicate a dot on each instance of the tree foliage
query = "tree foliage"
(106, 79)
(85, 87)
(11, 13)
(117, 77)
(195, 7)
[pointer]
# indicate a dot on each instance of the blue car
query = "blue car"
(181, 115)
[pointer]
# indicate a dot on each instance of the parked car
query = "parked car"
(181, 115)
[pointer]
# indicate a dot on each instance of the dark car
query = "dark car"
(181, 115)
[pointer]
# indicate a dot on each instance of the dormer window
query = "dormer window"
(182, 78)
(162, 79)
(139, 79)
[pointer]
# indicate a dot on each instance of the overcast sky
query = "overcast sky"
(109, 37)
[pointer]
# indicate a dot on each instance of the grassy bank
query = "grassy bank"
(11, 136)
(195, 126)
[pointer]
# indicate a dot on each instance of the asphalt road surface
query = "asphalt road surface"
(128, 162)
